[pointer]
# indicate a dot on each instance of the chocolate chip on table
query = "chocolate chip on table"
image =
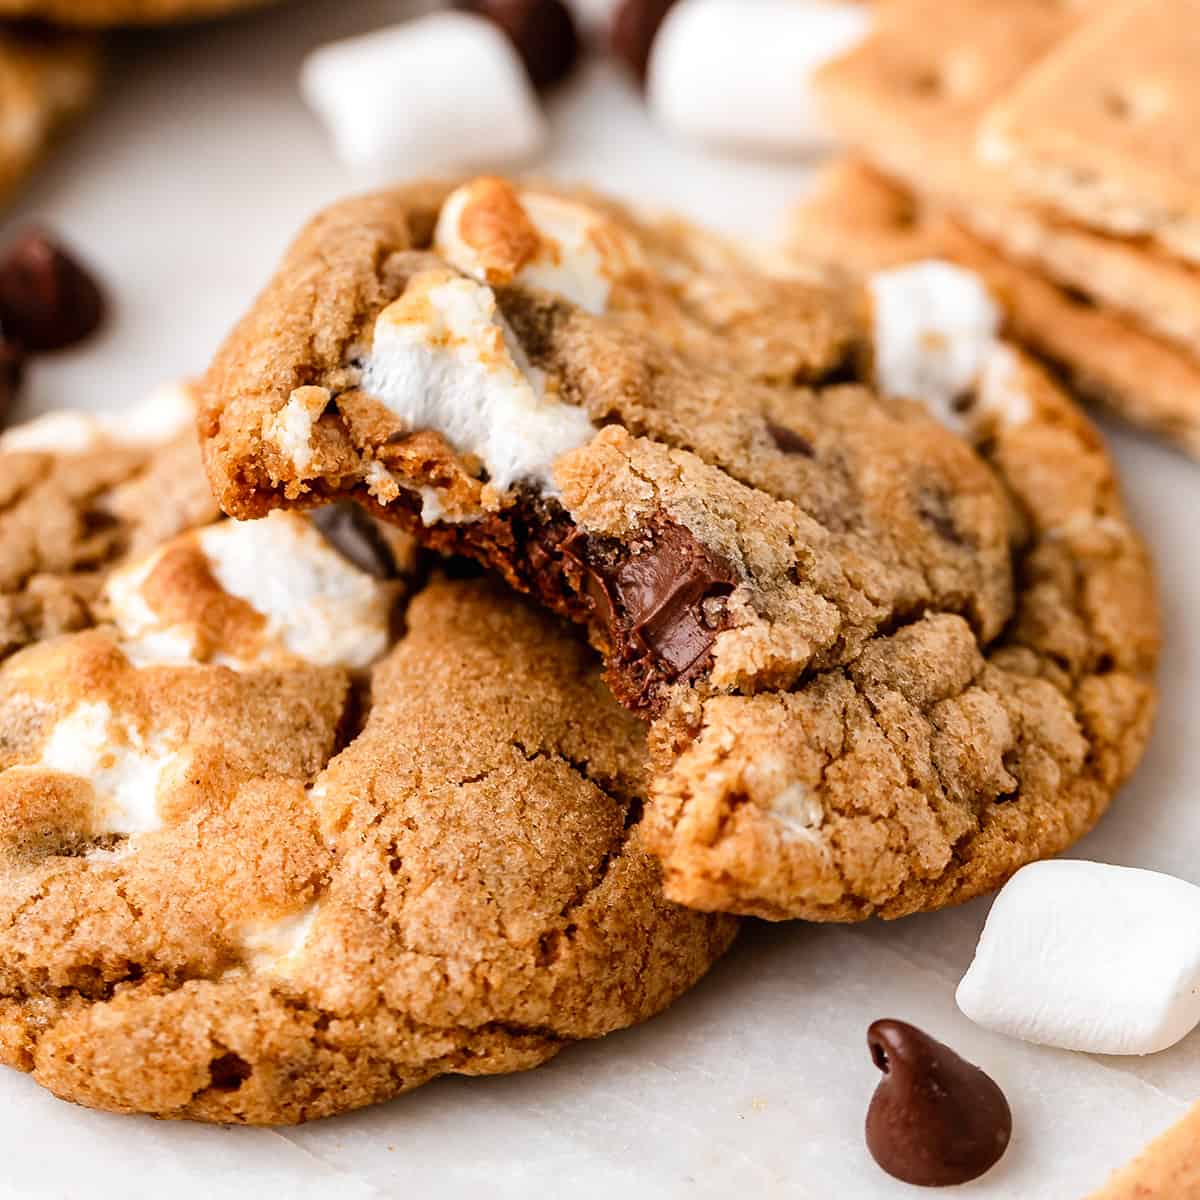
(47, 299)
(935, 1119)
(634, 28)
(353, 534)
(12, 368)
(543, 32)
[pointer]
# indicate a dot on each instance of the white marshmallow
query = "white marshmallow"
(444, 359)
(446, 90)
(1088, 956)
(317, 603)
(277, 946)
(164, 413)
(934, 328)
(582, 252)
(738, 71)
(1001, 393)
(125, 772)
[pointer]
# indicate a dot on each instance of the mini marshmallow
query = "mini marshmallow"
(444, 359)
(276, 946)
(1088, 956)
(124, 769)
(738, 72)
(318, 605)
(444, 91)
(568, 248)
(934, 328)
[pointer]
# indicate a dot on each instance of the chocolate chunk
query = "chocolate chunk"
(47, 299)
(634, 29)
(12, 370)
(543, 31)
(935, 1119)
(656, 602)
(353, 534)
(789, 441)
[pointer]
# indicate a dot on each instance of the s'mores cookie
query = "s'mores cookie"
(892, 641)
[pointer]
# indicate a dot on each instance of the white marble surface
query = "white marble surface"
(183, 190)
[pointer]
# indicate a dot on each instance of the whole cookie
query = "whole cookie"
(78, 493)
(264, 857)
(46, 78)
(891, 648)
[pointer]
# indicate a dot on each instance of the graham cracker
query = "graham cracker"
(910, 99)
(1103, 128)
(856, 221)
(1167, 1169)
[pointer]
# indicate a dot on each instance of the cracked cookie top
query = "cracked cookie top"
(276, 843)
(748, 488)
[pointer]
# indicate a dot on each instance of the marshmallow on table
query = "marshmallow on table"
(442, 91)
(1088, 956)
(738, 71)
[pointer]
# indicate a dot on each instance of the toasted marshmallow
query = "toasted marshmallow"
(738, 73)
(489, 230)
(124, 769)
(934, 327)
(291, 428)
(313, 603)
(277, 946)
(1002, 395)
(167, 411)
(446, 90)
(1088, 956)
(444, 359)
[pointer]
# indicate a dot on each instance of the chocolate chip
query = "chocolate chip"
(789, 441)
(47, 299)
(935, 1119)
(228, 1072)
(659, 605)
(353, 534)
(543, 31)
(12, 370)
(634, 29)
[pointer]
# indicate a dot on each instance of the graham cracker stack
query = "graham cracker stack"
(912, 99)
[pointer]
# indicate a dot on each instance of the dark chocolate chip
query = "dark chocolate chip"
(47, 299)
(935, 1119)
(543, 32)
(229, 1072)
(634, 29)
(353, 534)
(789, 441)
(12, 371)
(656, 602)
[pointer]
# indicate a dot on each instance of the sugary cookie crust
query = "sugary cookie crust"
(753, 556)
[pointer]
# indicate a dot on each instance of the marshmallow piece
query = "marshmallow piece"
(446, 90)
(738, 71)
(934, 328)
(276, 946)
(444, 359)
(318, 605)
(124, 769)
(1088, 956)
(499, 236)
